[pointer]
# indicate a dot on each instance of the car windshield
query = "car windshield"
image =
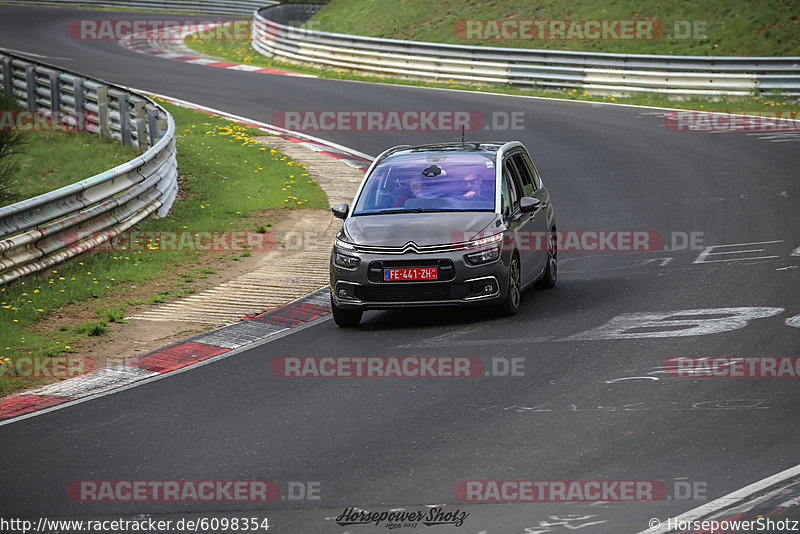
(431, 181)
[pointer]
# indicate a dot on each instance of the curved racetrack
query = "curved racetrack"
(385, 444)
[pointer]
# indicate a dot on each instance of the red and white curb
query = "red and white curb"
(761, 499)
(147, 43)
(204, 347)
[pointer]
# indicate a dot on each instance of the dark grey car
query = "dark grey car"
(446, 224)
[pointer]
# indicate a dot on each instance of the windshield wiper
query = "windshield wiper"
(416, 210)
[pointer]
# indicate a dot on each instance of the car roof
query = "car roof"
(455, 147)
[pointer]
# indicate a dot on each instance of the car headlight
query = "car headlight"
(343, 244)
(343, 260)
(491, 252)
(486, 241)
(485, 256)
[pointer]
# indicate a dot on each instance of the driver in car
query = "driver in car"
(473, 182)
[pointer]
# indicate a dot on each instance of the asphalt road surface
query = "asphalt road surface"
(593, 402)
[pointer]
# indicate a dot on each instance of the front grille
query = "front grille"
(412, 292)
(411, 247)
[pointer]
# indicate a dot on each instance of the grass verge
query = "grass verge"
(228, 181)
(49, 160)
(243, 52)
(700, 27)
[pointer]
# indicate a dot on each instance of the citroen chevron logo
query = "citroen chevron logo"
(409, 247)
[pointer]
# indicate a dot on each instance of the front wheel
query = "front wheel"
(345, 318)
(510, 306)
(551, 272)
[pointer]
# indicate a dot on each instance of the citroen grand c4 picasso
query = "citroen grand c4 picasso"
(446, 224)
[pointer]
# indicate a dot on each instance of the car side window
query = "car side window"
(537, 181)
(525, 175)
(505, 198)
(510, 196)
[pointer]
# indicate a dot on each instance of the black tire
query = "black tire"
(510, 305)
(345, 318)
(551, 272)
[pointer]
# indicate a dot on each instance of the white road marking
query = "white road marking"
(701, 258)
(690, 323)
(441, 341)
(246, 68)
(625, 378)
(664, 261)
(641, 406)
(727, 501)
(25, 53)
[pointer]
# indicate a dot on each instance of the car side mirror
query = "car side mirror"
(528, 204)
(340, 211)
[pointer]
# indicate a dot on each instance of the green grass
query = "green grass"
(99, 8)
(48, 161)
(734, 27)
(112, 314)
(243, 52)
(91, 328)
(226, 178)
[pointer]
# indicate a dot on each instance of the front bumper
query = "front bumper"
(459, 282)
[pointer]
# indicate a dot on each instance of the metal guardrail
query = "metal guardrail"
(217, 7)
(276, 35)
(42, 231)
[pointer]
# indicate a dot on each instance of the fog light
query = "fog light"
(343, 293)
(488, 288)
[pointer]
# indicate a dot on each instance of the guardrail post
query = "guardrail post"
(102, 109)
(152, 126)
(8, 76)
(55, 92)
(141, 134)
(80, 104)
(124, 119)
(30, 86)
(161, 127)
